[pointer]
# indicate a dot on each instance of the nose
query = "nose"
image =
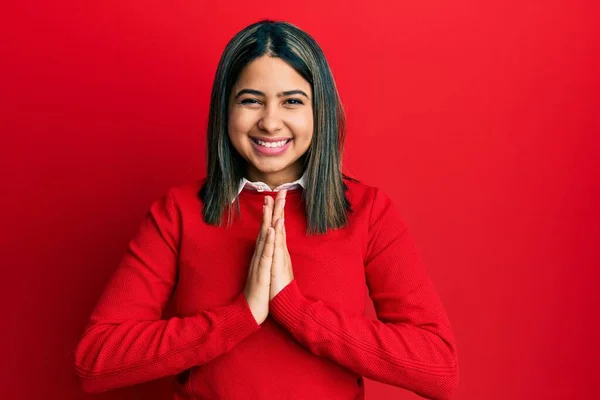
(270, 121)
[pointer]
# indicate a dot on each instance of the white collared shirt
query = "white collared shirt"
(261, 186)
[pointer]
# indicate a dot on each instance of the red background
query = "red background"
(479, 118)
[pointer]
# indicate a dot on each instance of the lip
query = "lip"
(271, 151)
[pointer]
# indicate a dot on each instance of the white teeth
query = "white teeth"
(273, 144)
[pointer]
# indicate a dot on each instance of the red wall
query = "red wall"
(480, 118)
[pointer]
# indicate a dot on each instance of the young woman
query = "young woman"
(270, 305)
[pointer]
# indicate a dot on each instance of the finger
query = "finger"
(278, 252)
(266, 257)
(266, 219)
(284, 236)
(264, 229)
(278, 206)
(283, 216)
(270, 205)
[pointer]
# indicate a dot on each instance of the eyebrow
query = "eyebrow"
(280, 94)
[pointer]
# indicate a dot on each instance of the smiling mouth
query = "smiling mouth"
(271, 145)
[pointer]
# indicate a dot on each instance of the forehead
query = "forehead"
(271, 74)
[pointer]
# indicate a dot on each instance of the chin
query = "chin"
(271, 167)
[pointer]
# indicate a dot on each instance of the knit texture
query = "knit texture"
(316, 342)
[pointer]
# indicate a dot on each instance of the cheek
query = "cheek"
(240, 122)
(302, 125)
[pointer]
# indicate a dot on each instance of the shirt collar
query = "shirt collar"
(261, 186)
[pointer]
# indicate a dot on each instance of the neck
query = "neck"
(274, 179)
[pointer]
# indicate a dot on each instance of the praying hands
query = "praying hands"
(271, 266)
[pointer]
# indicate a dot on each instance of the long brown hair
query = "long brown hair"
(324, 197)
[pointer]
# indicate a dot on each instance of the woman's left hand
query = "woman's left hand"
(281, 269)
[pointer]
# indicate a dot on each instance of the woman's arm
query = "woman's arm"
(126, 342)
(411, 345)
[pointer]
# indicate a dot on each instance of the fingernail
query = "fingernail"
(281, 222)
(265, 200)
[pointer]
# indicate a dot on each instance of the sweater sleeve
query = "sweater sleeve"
(410, 345)
(126, 342)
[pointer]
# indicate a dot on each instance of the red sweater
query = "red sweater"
(316, 342)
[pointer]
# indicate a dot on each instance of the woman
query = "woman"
(262, 314)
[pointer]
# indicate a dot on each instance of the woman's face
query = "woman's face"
(271, 102)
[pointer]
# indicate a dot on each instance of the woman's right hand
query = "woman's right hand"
(258, 281)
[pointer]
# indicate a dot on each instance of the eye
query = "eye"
(249, 101)
(294, 101)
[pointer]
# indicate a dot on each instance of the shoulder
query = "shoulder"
(376, 202)
(186, 189)
(357, 189)
(361, 193)
(185, 194)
